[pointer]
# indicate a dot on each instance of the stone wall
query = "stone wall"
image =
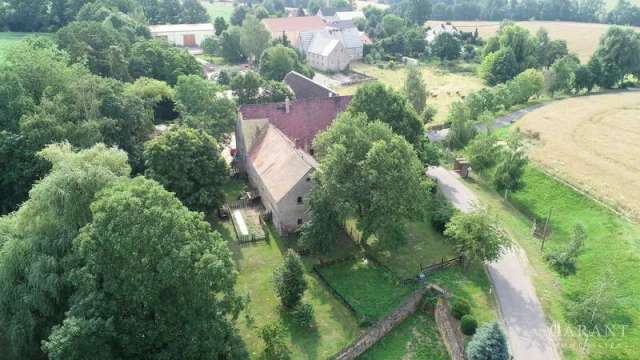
(379, 330)
(449, 330)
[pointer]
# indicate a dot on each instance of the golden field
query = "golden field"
(592, 142)
(444, 86)
(582, 38)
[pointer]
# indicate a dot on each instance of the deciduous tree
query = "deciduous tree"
(188, 163)
(414, 89)
(289, 281)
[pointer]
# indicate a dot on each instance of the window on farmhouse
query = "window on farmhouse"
(299, 199)
(299, 221)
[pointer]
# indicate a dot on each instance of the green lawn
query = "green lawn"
(613, 243)
(472, 286)
(416, 338)
(335, 326)
(215, 9)
(372, 291)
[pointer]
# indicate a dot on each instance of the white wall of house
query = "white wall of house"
(337, 60)
(183, 35)
(292, 208)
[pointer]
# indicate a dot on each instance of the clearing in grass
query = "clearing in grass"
(443, 85)
(217, 8)
(371, 291)
(582, 38)
(612, 244)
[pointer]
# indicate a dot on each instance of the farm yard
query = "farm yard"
(444, 85)
(592, 142)
(582, 38)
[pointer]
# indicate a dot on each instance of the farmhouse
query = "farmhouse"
(292, 26)
(304, 88)
(274, 149)
(433, 32)
(188, 35)
(350, 39)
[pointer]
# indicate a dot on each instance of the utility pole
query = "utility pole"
(544, 230)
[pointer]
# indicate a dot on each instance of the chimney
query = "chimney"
(287, 105)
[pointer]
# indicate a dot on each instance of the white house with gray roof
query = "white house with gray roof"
(326, 49)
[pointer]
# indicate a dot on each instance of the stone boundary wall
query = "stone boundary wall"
(449, 330)
(380, 329)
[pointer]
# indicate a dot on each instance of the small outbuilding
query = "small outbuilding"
(187, 35)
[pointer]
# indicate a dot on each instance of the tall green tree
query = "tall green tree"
(159, 60)
(563, 74)
(37, 259)
(277, 61)
(155, 281)
(289, 281)
(477, 236)
(254, 38)
(483, 151)
(382, 103)
(508, 174)
(371, 174)
(188, 163)
(499, 66)
(446, 46)
(193, 12)
(230, 45)
(220, 25)
(618, 54)
(415, 89)
(488, 343)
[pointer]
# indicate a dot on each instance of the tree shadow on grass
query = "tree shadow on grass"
(305, 338)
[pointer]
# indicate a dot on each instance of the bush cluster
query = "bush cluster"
(460, 308)
(468, 325)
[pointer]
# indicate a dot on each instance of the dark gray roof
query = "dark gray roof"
(305, 88)
(328, 11)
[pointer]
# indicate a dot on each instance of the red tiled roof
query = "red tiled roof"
(305, 119)
(299, 23)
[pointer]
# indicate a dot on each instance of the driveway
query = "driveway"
(527, 332)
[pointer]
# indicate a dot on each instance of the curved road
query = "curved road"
(527, 332)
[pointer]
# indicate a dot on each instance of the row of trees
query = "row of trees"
(513, 50)
(625, 13)
(50, 15)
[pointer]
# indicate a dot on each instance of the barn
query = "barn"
(187, 35)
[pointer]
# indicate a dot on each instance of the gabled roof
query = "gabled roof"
(305, 88)
(327, 11)
(349, 37)
(305, 119)
(322, 45)
(278, 163)
(295, 24)
(349, 15)
(180, 28)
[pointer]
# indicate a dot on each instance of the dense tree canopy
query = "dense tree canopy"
(188, 163)
(369, 173)
(175, 298)
(277, 61)
(488, 343)
(382, 103)
(446, 46)
(40, 235)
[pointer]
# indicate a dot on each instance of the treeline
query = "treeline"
(97, 80)
(625, 13)
(50, 15)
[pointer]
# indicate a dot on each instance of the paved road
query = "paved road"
(529, 336)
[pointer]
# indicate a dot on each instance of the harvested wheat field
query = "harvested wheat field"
(582, 38)
(594, 143)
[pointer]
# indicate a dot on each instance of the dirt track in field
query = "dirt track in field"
(594, 143)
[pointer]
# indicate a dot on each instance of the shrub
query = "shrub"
(275, 347)
(488, 343)
(290, 283)
(429, 113)
(460, 308)
(468, 325)
(564, 260)
(442, 212)
(303, 315)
